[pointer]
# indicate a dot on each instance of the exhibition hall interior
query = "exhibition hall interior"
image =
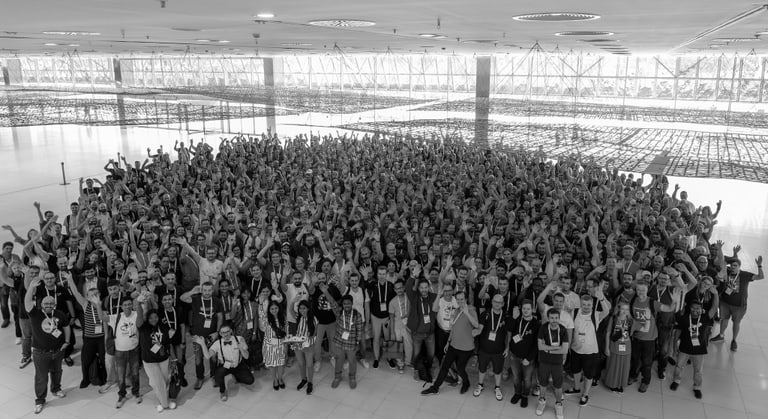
(383, 209)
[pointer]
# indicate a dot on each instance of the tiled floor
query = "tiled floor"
(735, 385)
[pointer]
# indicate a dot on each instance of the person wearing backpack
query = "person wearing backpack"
(643, 310)
(585, 350)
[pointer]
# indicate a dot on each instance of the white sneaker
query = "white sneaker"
(317, 366)
(559, 410)
(499, 394)
(365, 363)
(172, 405)
(540, 406)
(18, 341)
(160, 408)
(478, 390)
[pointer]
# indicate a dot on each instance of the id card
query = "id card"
(249, 325)
(155, 348)
(56, 333)
(492, 336)
(405, 321)
(207, 324)
(517, 338)
(427, 320)
(694, 340)
(383, 307)
(171, 333)
(98, 329)
(622, 347)
(273, 341)
(728, 291)
(227, 316)
(345, 335)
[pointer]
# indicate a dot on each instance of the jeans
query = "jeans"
(441, 338)
(306, 362)
(522, 375)
(46, 363)
(16, 325)
(26, 337)
(342, 355)
(698, 366)
(642, 359)
(428, 339)
(199, 359)
(328, 330)
(109, 364)
(461, 358)
(158, 375)
(93, 351)
(241, 372)
(380, 330)
(127, 367)
(5, 293)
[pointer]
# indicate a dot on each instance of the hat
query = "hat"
(286, 244)
(251, 225)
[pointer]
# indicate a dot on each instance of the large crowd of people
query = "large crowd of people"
(414, 254)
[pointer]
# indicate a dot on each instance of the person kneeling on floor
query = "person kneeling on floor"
(230, 353)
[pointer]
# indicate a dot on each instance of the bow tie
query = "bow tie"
(228, 342)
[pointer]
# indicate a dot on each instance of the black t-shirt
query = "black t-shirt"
(380, 294)
(693, 330)
(495, 326)
(153, 341)
(559, 337)
(21, 291)
(322, 307)
(59, 294)
(528, 331)
(173, 319)
(46, 327)
(202, 310)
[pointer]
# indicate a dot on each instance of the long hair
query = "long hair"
(277, 324)
(310, 317)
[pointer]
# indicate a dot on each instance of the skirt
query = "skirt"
(617, 371)
(274, 354)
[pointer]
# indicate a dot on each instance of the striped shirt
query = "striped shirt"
(91, 319)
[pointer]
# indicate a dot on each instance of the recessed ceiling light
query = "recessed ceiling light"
(427, 35)
(426, 46)
(584, 33)
(265, 15)
(342, 23)
(71, 33)
(223, 41)
(735, 40)
(74, 45)
(50, 44)
(556, 17)
(295, 44)
(203, 40)
(187, 29)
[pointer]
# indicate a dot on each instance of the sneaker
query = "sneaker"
(516, 398)
(375, 363)
(631, 380)
(120, 402)
(352, 383)
(60, 394)
(199, 384)
(595, 382)
(139, 399)
(464, 388)
(583, 400)
(160, 408)
(106, 387)
(69, 361)
(734, 346)
(572, 391)
(309, 388)
(401, 369)
(559, 410)
(718, 338)
(24, 362)
(364, 363)
(317, 366)
(674, 386)
(184, 382)
(336, 382)
(302, 383)
(478, 390)
(38, 408)
(621, 390)
(540, 406)
(535, 391)
(18, 341)
(223, 397)
(697, 393)
(643, 388)
(392, 363)
(84, 384)
(172, 405)
(662, 374)
(524, 402)
(498, 393)
(5, 324)
(616, 390)
(671, 361)
(430, 391)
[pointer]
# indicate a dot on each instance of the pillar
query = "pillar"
(272, 78)
(482, 95)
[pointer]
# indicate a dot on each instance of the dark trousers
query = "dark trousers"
(46, 363)
(642, 359)
(241, 373)
(461, 358)
(127, 367)
(16, 323)
(181, 359)
(93, 352)
(71, 347)
(441, 338)
(522, 375)
(5, 293)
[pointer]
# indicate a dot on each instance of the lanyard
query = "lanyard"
(227, 306)
(557, 335)
(402, 302)
(172, 325)
(507, 300)
(497, 323)
(93, 314)
(520, 330)
(206, 314)
(258, 287)
(694, 327)
(249, 312)
(115, 309)
(453, 323)
(424, 308)
(378, 288)
(55, 298)
(349, 324)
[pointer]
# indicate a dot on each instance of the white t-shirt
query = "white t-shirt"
(445, 311)
(210, 271)
(584, 336)
(126, 333)
(565, 318)
(358, 300)
(231, 352)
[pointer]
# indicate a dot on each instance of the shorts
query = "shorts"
(588, 363)
(497, 360)
(551, 370)
(736, 313)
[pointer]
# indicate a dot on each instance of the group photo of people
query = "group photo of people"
(471, 269)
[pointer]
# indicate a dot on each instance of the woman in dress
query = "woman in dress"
(305, 328)
(618, 349)
(273, 347)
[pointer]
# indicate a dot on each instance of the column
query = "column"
(273, 75)
(482, 94)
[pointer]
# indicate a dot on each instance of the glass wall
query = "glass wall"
(192, 71)
(67, 71)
